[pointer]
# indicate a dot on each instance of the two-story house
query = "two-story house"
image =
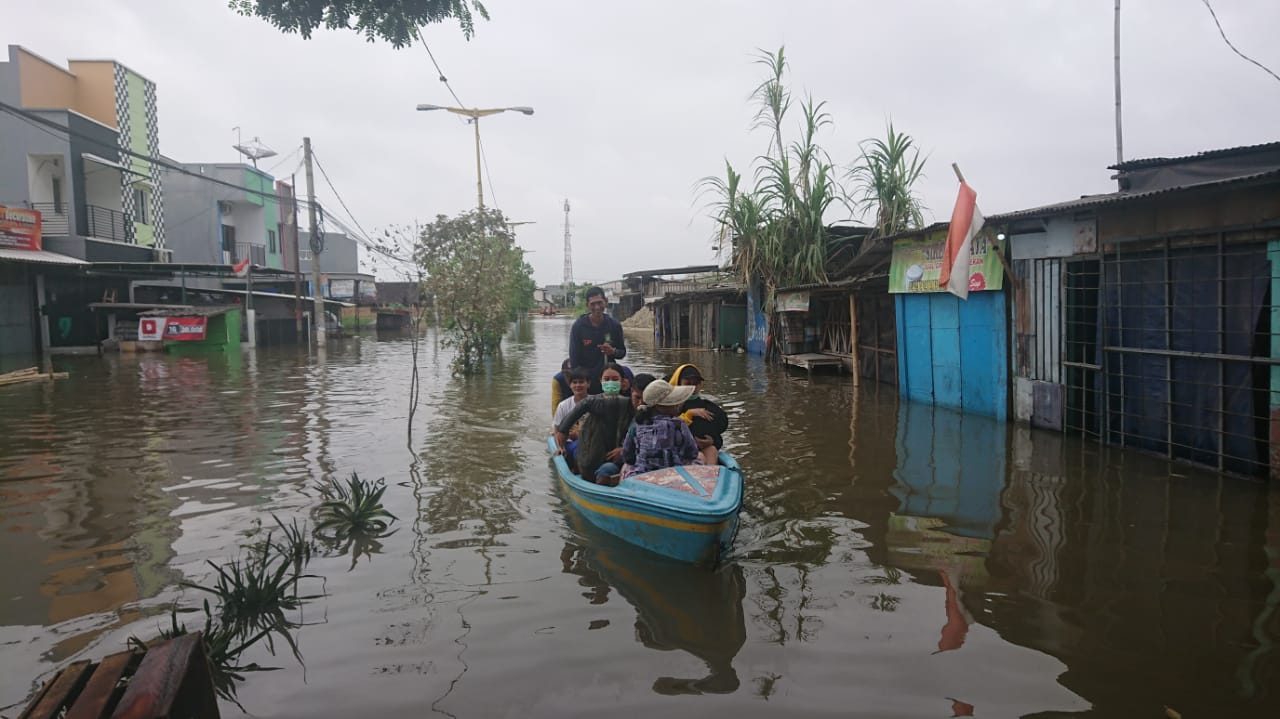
(237, 216)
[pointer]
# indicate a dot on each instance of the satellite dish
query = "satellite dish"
(253, 149)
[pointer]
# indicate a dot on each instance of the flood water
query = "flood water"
(893, 560)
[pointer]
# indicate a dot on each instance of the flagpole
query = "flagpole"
(995, 244)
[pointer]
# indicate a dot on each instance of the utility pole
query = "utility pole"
(297, 261)
(475, 122)
(1119, 133)
(317, 307)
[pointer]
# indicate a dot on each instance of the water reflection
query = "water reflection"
(678, 607)
(1109, 561)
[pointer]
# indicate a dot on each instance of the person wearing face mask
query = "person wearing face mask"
(605, 418)
(706, 420)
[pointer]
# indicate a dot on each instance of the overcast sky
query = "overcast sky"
(637, 101)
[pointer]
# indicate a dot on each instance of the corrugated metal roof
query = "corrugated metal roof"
(1207, 154)
(1091, 201)
(43, 257)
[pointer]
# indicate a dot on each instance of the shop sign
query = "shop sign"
(917, 263)
(19, 228)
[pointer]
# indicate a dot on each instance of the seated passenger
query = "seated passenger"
(609, 472)
(579, 383)
(706, 420)
(560, 387)
(604, 419)
(661, 439)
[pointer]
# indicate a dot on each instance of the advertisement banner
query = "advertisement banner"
(342, 289)
(19, 228)
(793, 302)
(151, 329)
(185, 328)
(916, 265)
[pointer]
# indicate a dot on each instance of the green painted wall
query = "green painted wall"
(264, 195)
(135, 86)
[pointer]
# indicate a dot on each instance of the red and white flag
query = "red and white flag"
(241, 268)
(966, 222)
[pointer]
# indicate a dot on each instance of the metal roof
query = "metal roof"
(190, 268)
(1207, 154)
(43, 257)
(1089, 202)
(675, 271)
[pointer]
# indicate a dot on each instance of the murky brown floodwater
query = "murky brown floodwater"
(893, 560)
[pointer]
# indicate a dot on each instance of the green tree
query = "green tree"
(396, 21)
(884, 178)
(775, 222)
(478, 278)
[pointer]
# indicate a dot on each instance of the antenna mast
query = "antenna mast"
(568, 249)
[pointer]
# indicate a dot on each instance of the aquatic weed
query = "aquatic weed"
(353, 507)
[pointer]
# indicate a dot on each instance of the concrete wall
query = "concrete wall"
(95, 90)
(21, 139)
(43, 84)
(341, 253)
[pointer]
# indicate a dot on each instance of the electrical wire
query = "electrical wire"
(1233, 47)
(484, 157)
(283, 160)
(54, 129)
(439, 72)
(363, 237)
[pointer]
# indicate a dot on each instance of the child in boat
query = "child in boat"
(706, 420)
(579, 383)
(605, 419)
(661, 439)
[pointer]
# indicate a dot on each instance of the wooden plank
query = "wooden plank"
(95, 701)
(19, 372)
(59, 692)
(154, 690)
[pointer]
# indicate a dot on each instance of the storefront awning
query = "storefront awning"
(44, 257)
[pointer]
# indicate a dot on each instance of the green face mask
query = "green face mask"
(611, 387)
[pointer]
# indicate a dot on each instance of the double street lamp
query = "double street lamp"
(475, 114)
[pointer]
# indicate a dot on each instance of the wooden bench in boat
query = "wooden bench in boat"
(170, 680)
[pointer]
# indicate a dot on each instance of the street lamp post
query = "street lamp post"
(475, 114)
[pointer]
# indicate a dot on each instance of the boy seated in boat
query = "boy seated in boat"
(706, 419)
(579, 384)
(661, 439)
(603, 420)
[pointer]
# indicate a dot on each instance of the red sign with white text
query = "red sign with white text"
(19, 228)
(151, 329)
(185, 328)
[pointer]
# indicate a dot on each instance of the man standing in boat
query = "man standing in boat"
(595, 339)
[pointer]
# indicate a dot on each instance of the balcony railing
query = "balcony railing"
(257, 254)
(107, 224)
(54, 220)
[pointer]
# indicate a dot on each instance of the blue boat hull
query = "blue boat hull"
(687, 526)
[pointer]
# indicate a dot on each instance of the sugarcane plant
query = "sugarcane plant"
(773, 223)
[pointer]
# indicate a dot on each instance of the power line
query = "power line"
(362, 237)
(1233, 47)
(439, 72)
(50, 127)
(484, 157)
(336, 194)
(285, 159)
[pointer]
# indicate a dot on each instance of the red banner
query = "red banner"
(185, 328)
(19, 228)
(151, 329)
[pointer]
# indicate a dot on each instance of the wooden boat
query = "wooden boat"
(687, 513)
